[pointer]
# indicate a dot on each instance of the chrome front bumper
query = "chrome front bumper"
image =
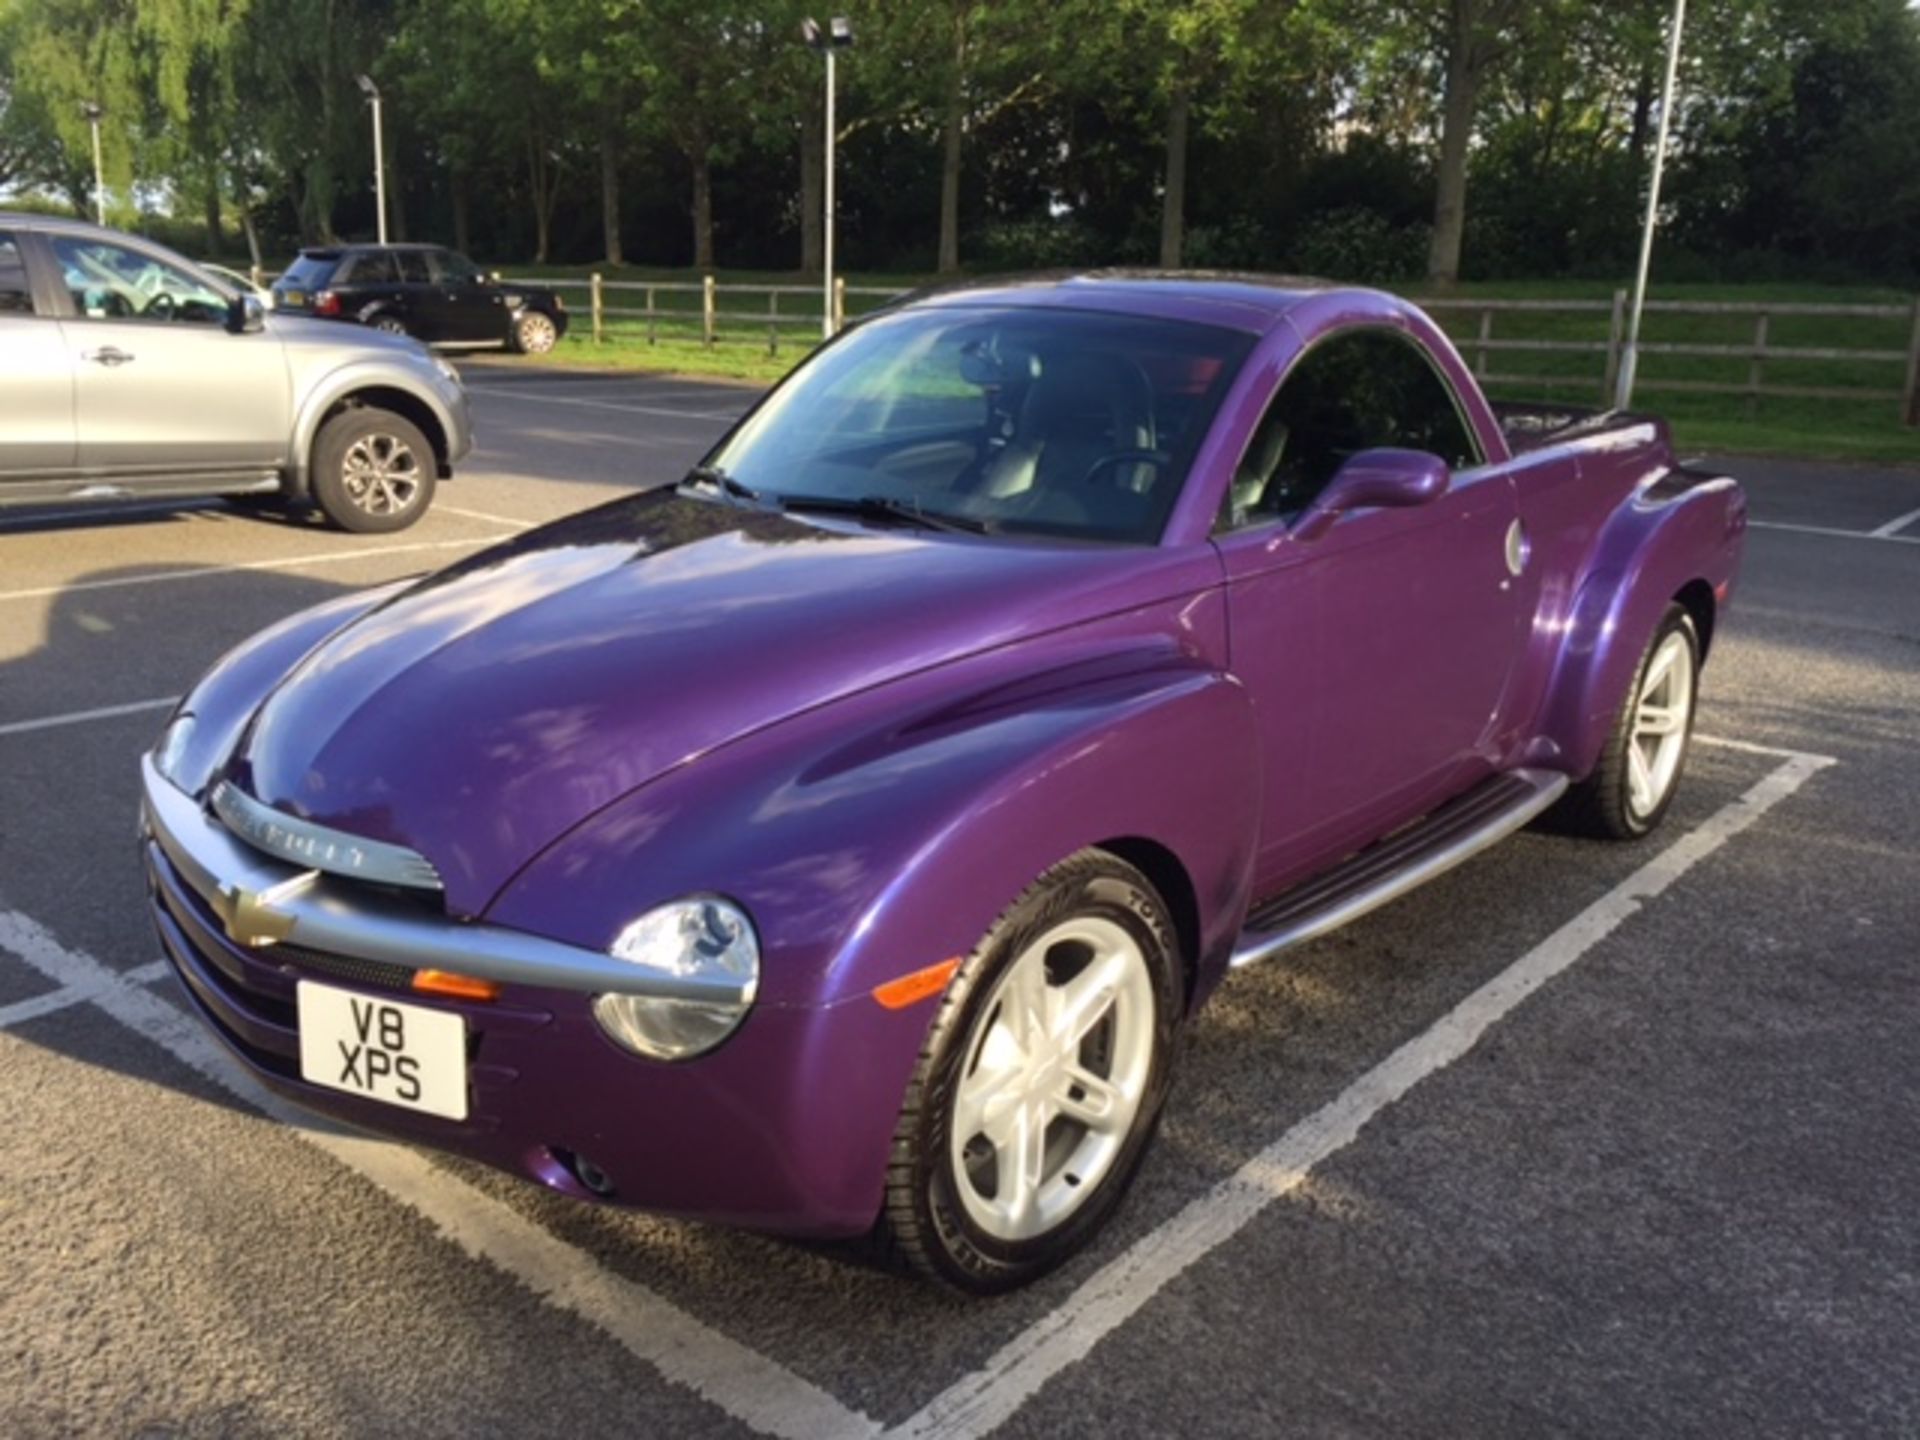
(262, 901)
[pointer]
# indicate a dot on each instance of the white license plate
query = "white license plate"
(293, 297)
(404, 1055)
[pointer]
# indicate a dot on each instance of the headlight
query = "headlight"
(171, 748)
(703, 937)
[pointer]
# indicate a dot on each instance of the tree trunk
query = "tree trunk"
(212, 207)
(1450, 203)
(537, 179)
(462, 217)
(702, 162)
(1643, 95)
(610, 189)
(1173, 206)
(950, 174)
(813, 137)
(396, 198)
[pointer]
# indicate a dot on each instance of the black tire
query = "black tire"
(1602, 805)
(923, 1222)
(533, 333)
(345, 444)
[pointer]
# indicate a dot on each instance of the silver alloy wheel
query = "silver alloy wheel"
(382, 474)
(390, 325)
(536, 333)
(1661, 719)
(1056, 1064)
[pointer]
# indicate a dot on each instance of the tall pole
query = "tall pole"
(826, 293)
(1630, 353)
(99, 170)
(380, 170)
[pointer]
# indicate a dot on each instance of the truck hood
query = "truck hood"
(479, 715)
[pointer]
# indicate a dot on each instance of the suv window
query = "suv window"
(453, 269)
(16, 294)
(311, 270)
(112, 282)
(1360, 390)
(413, 267)
(370, 267)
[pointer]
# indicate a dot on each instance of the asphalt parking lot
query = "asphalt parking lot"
(1580, 1139)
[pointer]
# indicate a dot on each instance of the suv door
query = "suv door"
(161, 387)
(36, 375)
(472, 305)
(1378, 654)
(420, 297)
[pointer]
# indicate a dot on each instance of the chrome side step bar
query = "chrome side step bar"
(1389, 868)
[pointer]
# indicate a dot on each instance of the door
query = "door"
(1377, 655)
(36, 375)
(161, 387)
(473, 305)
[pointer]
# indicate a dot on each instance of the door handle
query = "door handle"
(106, 355)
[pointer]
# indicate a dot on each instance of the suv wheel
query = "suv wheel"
(389, 324)
(373, 471)
(535, 334)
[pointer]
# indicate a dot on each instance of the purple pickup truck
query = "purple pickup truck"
(836, 843)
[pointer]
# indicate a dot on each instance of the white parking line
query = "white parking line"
(758, 1392)
(1880, 534)
(1893, 527)
(1117, 1291)
(505, 520)
(292, 562)
(81, 717)
(610, 405)
(66, 996)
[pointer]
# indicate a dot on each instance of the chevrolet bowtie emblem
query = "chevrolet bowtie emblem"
(249, 916)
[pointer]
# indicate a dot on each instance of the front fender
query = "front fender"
(361, 376)
(1671, 533)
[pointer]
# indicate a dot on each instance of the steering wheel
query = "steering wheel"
(1159, 459)
(162, 306)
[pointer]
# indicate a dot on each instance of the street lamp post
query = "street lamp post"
(837, 36)
(93, 112)
(372, 92)
(1630, 352)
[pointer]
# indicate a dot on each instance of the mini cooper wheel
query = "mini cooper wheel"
(1639, 771)
(373, 471)
(389, 325)
(1041, 1082)
(534, 333)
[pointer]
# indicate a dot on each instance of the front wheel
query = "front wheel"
(373, 471)
(1041, 1082)
(534, 334)
(1639, 771)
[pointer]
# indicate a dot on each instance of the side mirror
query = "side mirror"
(1375, 479)
(246, 315)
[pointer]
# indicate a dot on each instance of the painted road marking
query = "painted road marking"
(610, 405)
(1840, 534)
(65, 996)
(1119, 1289)
(81, 717)
(326, 557)
(511, 524)
(757, 1391)
(1893, 527)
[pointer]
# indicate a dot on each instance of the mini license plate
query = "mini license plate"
(384, 1050)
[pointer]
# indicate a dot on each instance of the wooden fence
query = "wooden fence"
(701, 308)
(1478, 341)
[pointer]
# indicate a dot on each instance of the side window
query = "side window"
(413, 267)
(16, 294)
(372, 267)
(1357, 391)
(452, 269)
(111, 282)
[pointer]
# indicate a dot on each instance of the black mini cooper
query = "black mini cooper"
(432, 294)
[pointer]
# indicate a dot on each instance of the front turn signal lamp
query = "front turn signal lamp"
(702, 937)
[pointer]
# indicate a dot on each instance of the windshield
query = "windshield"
(1048, 422)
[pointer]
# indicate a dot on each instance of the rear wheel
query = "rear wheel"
(1639, 771)
(1041, 1082)
(373, 471)
(534, 333)
(389, 324)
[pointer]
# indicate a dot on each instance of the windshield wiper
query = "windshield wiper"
(888, 507)
(712, 477)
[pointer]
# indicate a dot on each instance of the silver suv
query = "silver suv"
(128, 371)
